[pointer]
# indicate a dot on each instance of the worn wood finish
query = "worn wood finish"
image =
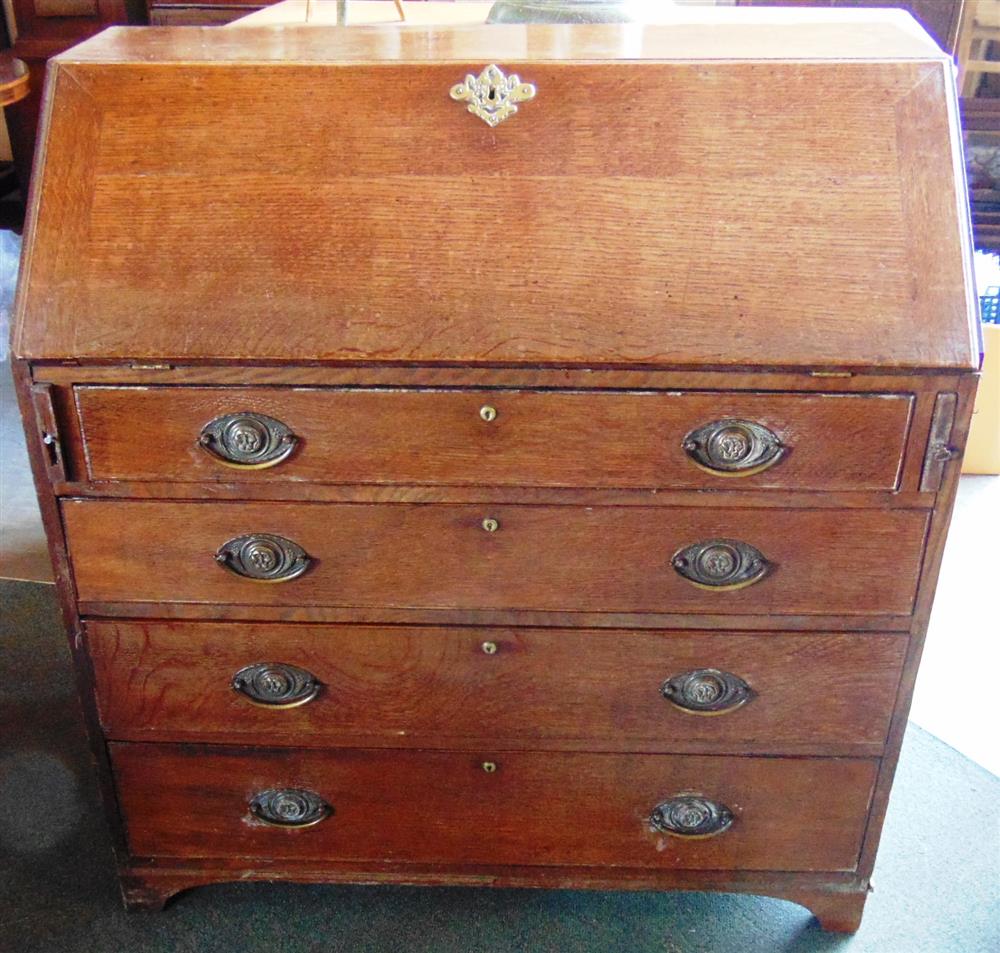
(536, 808)
(436, 556)
(553, 496)
(833, 442)
(836, 900)
(928, 581)
(576, 269)
(497, 617)
(514, 688)
(382, 209)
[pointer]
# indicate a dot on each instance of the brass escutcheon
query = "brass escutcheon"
(492, 95)
(488, 413)
(491, 525)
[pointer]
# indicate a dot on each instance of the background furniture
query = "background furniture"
(15, 85)
(199, 13)
(979, 28)
(941, 18)
(41, 29)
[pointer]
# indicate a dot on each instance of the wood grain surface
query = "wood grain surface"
(584, 439)
(403, 687)
(536, 808)
(757, 214)
(638, 212)
(599, 559)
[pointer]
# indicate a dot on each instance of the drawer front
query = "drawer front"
(546, 558)
(531, 808)
(519, 688)
(504, 438)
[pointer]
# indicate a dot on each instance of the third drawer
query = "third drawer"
(405, 686)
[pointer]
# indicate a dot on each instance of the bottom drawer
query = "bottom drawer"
(569, 809)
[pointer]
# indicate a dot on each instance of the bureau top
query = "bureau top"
(753, 188)
(682, 34)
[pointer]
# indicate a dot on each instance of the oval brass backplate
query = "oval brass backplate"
(706, 691)
(691, 816)
(247, 441)
(289, 807)
(276, 685)
(734, 448)
(262, 557)
(721, 564)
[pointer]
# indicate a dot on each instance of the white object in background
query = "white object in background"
(10, 253)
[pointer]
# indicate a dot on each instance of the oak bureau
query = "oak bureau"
(504, 455)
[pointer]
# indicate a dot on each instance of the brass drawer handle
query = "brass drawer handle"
(691, 816)
(721, 564)
(247, 441)
(263, 558)
(289, 807)
(707, 691)
(734, 448)
(492, 95)
(276, 685)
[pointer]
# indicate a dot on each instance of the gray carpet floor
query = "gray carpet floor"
(936, 883)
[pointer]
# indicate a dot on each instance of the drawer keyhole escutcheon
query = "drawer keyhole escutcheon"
(734, 448)
(262, 557)
(490, 648)
(289, 807)
(707, 691)
(276, 685)
(492, 95)
(247, 441)
(491, 525)
(488, 413)
(691, 816)
(721, 564)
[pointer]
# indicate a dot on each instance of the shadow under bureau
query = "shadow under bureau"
(532, 468)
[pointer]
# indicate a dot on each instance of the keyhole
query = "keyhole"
(492, 95)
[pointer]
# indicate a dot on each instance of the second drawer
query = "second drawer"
(601, 559)
(403, 686)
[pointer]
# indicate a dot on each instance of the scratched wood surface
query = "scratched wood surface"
(537, 807)
(519, 688)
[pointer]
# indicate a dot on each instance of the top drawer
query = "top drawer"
(637, 439)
